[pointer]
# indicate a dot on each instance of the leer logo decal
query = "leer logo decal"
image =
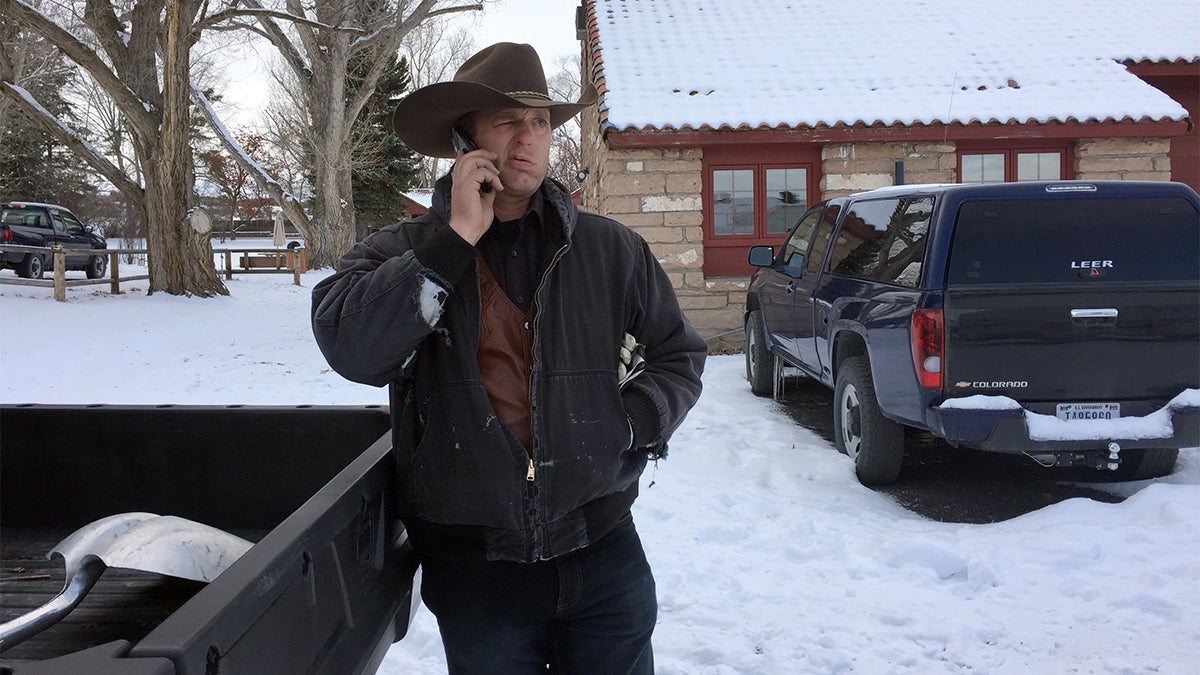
(1092, 268)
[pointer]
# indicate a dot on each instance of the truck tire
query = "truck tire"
(1146, 463)
(31, 267)
(874, 442)
(760, 362)
(97, 265)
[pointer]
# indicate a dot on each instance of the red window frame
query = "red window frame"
(1010, 152)
(725, 254)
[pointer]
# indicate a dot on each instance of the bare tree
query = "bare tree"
(326, 39)
(142, 62)
(566, 153)
(233, 183)
(434, 54)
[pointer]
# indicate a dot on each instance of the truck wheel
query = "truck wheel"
(31, 267)
(97, 265)
(875, 443)
(1146, 463)
(760, 362)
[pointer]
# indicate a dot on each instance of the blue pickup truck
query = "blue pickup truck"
(45, 225)
(1060, 320)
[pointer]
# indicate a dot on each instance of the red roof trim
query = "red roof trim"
(879, 133)
(1161, 68)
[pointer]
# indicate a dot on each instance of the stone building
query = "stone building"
(720, 122)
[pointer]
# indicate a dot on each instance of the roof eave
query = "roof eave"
(878, 133)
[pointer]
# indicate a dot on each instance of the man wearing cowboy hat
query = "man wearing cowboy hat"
(498, 319)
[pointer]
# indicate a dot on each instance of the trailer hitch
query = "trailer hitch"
(147, 542)
(1106, 458)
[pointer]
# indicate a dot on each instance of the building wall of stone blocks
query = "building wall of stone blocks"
(1123, 159)
(847, 168)
(657, 193)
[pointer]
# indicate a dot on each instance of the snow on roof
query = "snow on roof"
(804, 63)
(422, 196)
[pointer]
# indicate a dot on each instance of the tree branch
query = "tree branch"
(387, 41)
(290, 205)
(287, 50)
(307, 36)
(262, 13)
(70, 138)
(129, 102)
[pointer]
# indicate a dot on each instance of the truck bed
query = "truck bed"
(318, 591)
(123, 605)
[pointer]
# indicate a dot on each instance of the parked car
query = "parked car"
(1060, 320)
(34, 224)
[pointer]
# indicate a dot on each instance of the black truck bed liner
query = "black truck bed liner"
(311, 485)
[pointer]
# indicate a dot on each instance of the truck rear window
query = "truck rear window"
(26, 217)
(1072, 240)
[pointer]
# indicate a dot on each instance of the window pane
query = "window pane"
(1144, 239)
(733, 201)
(743, 180)
(796, 245)
(983, 168)
(860, 240)
(1039, 166)
(787, 197)
(903, 250)
(883, 239)
(722, 181)
(821, 238)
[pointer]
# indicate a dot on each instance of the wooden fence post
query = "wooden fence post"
(60, 273)
(114, 272)
(228, 266)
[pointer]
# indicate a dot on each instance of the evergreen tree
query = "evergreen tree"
(34, 166)
(384, 168)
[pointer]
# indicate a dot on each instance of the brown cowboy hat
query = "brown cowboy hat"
(504, 75)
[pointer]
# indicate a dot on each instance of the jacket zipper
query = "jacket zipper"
(531, 474)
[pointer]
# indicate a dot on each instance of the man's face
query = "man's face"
(521, 139)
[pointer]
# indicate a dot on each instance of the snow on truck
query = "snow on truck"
(196, 540)
(1060, 320)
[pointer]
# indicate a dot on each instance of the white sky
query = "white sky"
(548, 25)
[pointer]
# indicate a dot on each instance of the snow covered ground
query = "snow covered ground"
(770, 557)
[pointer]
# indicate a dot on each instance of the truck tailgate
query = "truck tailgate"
(1087, 297)
(1135, 345)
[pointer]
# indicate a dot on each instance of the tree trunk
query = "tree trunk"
(333, 203)
(181, 258)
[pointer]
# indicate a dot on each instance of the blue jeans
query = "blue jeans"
(589, 611)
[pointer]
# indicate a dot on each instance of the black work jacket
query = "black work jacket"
(467, 487)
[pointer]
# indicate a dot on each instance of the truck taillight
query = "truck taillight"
(6, 236)
(927, 337)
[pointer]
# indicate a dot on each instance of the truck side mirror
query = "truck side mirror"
(761, 256)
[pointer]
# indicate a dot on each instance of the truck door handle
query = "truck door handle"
(1101, 316)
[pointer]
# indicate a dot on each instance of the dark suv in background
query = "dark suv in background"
(34, 224)
(1058, 320)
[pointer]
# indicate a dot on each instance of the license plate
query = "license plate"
(1088, 411)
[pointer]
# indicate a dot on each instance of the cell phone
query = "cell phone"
(462, 143)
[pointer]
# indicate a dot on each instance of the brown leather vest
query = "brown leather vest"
(505, 355)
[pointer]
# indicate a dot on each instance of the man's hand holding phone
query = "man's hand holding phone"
(472, 196)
